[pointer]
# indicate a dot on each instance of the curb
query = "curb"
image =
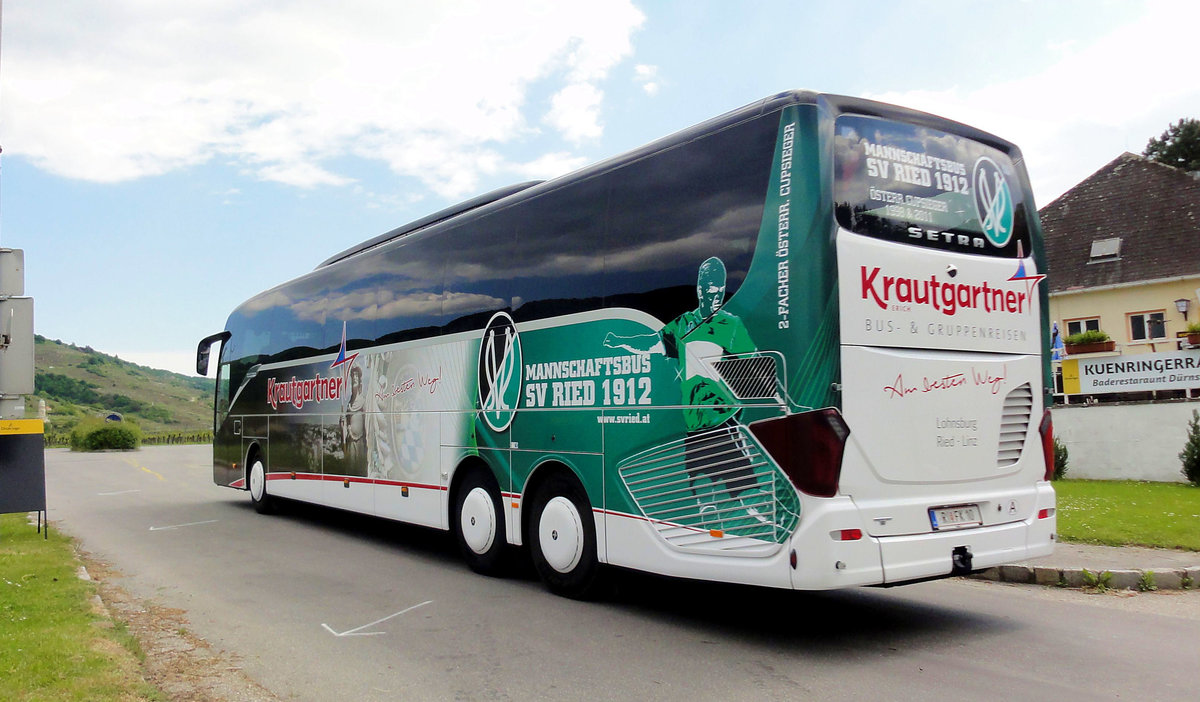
(1144, 580)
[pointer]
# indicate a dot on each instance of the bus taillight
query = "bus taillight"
(1046, 428)
(808, 447)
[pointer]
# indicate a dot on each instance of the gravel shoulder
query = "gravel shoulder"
(180, 664)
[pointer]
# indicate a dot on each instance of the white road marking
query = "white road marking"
(356, 631)
(177, 526)
(119, 492)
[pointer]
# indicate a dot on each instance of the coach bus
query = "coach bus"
(801, 345)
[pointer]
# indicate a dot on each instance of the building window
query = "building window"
(1148, 326)
(1105, 250)
(1076, 326)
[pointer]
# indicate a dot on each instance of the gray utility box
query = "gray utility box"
(16, 346)
(16, 327)
(12, 272)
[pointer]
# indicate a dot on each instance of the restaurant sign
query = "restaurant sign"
(1173, 370)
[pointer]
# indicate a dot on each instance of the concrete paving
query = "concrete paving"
(1130, 567)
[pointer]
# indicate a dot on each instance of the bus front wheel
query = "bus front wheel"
(257, 480)
(563, 535)
(479, 522)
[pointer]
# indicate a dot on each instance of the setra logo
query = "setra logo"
(993, 202)
(499, 372)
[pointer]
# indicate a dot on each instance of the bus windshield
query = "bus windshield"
(903, 182)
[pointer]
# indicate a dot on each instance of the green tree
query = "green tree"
(1190, 455)
(65, 389)
(1179, 146)
(1061, 458)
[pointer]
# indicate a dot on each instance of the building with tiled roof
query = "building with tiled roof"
(1123, 249)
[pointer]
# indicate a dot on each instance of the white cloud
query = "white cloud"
(646, 76)
(550, 165)
(1104, 97)
(575, 111)
(113, 90)
(303, 174)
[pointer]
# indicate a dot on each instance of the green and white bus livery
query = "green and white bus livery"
(799, 345)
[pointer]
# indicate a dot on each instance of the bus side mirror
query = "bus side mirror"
(202, 351)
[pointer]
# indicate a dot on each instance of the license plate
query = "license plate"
(955, 517)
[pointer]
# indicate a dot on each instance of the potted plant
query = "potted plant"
(1193, 334)
(1090, 341)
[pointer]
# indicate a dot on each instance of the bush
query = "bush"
(1060, 459)
(1190, 455)
(1091, 336)
(98, 435)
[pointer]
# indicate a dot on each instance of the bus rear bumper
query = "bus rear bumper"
(921, 556)
(825, 562)
(924, 556)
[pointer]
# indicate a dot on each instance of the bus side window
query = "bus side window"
(350, 309)
(478, 273)
(222, 405)
(409, 290)
(672, 212)
(558, 250)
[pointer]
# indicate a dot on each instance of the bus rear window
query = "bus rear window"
(918, 185)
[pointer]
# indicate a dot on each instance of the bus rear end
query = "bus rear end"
(942, 310)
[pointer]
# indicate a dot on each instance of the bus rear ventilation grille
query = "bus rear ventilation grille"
(1014, 425)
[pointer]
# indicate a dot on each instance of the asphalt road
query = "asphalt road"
(322, 605)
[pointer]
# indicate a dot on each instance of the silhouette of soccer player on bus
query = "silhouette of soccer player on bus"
(695, 339)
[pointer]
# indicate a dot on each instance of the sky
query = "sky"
(165, 161)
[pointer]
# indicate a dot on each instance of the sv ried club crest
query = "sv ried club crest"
(499, 372)
(993, 202)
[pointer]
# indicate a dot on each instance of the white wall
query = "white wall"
(1124, 442)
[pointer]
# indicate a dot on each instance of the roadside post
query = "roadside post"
(22, 441)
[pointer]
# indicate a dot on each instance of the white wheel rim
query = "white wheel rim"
(478, 520)
(258, 481)
(560, 534)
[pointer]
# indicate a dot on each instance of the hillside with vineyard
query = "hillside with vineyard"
(76, 382)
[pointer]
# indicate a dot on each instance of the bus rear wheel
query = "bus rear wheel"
(257, 482)
(479, 523)
(563, 538)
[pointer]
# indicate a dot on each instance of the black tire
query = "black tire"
(256, 483)
(478, 523)
(562, 538)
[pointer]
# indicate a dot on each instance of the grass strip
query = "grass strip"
(1129, 513)
(55, 644)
